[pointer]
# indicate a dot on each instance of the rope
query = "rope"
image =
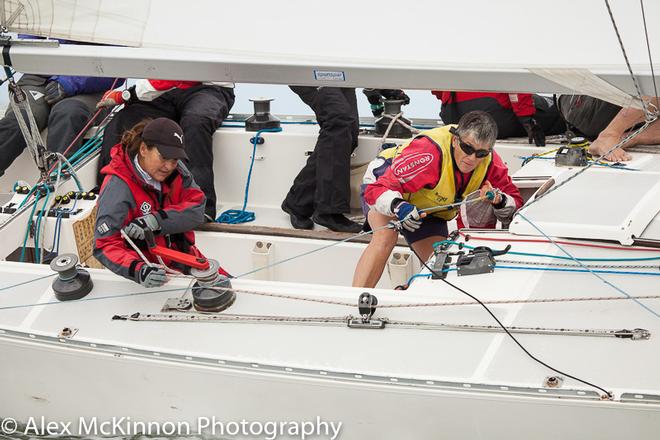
(235, 216)
(618, 289)
(559, 257)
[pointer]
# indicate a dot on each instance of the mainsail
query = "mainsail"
(563, 46)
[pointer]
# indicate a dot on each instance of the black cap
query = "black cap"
(167, 136)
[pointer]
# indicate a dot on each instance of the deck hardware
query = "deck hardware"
(572, 155)
(176, 304)
(367, 307)
(553, 381)
(262, 118)
(480, 260)
(72, 281)
(67, 332)
(212, 292)
(636, 334)
(392, 121)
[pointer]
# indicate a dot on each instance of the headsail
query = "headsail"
(476, 45)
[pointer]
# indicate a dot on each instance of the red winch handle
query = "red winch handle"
(171, 254)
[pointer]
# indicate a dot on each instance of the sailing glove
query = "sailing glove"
(150, 276)
(54, 92)
(534, 131)
(407, 214)
(375, 98)
(112, 98)
(136, 228)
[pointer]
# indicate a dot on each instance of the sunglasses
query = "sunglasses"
(469, 149)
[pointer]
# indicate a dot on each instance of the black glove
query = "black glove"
(534, 131)
(374, 98)
(395, 94)
(54, 92)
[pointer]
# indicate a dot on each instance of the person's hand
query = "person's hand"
(136, 228)
(150, 276)
(534, 131)
(487, 187)
(111, 98)
(407, 214)
(374, 98)
(395, 94)
(54, 92)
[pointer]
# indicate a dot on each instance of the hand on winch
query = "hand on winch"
(376, 96)
(136, 228)
(409, 217)
(152, 276)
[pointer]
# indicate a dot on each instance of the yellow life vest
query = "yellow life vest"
(444, 192)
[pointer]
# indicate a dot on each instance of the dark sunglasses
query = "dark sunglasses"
(469, 149)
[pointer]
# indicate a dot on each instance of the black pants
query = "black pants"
(508, 125)
(199, 111)
(323, 185)
(64, 120)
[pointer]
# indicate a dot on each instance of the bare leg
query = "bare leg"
(616, 129)
(424, 247)
(372, 262)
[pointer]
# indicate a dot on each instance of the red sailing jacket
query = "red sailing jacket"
(125, 196)
(522, 104)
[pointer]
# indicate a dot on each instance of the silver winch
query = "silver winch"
(212, 292)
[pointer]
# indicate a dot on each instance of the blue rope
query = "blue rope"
(235, 216)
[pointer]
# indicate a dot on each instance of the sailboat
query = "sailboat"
(547, 329)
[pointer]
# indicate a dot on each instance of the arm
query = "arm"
(113, 206)
(79, 85)
(186, 214)
(416, 168)
(150, 89)
(511, 201)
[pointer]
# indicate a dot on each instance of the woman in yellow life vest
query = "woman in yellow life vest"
(436, 168)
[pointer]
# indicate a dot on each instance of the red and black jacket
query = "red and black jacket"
(125, 196)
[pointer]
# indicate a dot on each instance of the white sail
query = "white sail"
(472, 45)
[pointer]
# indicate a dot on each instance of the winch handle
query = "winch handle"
(171, 254)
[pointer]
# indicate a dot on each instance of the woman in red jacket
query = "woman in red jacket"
(146, 186)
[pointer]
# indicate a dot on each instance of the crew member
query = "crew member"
(439, 167)
(147, 187)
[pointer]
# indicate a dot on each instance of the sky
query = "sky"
(423, 104)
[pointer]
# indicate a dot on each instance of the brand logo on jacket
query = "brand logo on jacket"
(145, 207)
(409, 166)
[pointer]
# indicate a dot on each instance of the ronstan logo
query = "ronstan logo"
(408, 166)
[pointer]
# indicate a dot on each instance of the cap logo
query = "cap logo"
(179, 137)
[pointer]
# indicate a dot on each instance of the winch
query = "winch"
(72, 282)
(396, 128)
(212, 292)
